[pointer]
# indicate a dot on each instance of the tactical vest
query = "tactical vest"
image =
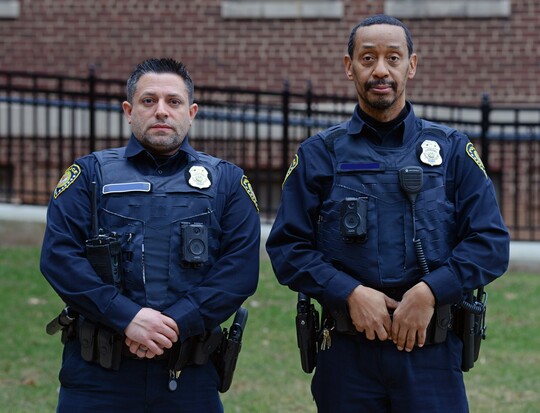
(385, 257)
(150, 215)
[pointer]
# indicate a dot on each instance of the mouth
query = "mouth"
(380, 87)
(161, 126)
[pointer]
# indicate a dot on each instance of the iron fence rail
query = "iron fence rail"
(47, 121)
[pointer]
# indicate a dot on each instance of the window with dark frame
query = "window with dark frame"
(281, 9)
(10, 9)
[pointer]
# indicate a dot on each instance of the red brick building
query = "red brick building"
(465, 47)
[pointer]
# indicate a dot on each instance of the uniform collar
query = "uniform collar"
(134, 148)
(356, 124)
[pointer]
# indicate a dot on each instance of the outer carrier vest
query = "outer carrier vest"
(386, 258)
(147, 213)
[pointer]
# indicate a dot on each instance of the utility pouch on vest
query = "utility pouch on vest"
(105, 255)
(104, 250)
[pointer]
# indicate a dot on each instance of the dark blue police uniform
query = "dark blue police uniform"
(147, 202)
(465, 244)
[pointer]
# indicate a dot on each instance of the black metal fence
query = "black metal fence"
(48, 121)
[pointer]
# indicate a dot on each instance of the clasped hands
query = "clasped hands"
(150, 333)
(370, 313)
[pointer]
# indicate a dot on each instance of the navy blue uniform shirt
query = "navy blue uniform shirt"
(232, 278)
(479, 252)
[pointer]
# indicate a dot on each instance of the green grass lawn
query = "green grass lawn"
(268, 378)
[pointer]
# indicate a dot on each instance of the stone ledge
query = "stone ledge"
(418, 9)
(10, 9)
(279, 9)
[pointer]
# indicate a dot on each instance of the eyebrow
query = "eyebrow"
(154, 93)
(372, 46)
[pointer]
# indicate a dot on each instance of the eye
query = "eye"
(175, 102)
(394, 58)
(147, 101)
(367, 59)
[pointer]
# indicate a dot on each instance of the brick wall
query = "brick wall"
(459, 59)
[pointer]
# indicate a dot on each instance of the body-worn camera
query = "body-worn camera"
(194, 244)
(353, 219)
(105, 255)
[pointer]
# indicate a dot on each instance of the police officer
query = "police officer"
(386, 218)
(189, 231)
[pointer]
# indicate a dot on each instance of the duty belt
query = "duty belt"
(436, 331)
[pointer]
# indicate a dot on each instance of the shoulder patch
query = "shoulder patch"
(293, 165)
(248, 188)
(72, 173)
(473, 153)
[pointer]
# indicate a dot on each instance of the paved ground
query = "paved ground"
(24, 224)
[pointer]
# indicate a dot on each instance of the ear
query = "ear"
(126, 106)
(412, 66)
(347, 62)
(193, 109)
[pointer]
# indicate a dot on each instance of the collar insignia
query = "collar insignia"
(198, 177)
(431, 153)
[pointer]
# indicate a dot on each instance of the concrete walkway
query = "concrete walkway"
(24, 224)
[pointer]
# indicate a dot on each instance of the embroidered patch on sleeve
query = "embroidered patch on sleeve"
(248, 188)
(72, 173)
(293, 165)
(473, 153)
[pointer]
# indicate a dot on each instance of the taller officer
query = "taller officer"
(356, 200)
(183, 234)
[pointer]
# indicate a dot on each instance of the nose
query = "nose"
(161, 110)
(381, 70)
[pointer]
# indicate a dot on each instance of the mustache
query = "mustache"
(373, 83)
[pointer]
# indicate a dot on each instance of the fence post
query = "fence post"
(285, 108)
(92, 106)
(309, 106)
(485, 108)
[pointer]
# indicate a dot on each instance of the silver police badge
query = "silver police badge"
(198, 177)
(431, 153)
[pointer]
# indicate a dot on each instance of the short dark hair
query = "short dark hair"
(381, 19)
(164, 65)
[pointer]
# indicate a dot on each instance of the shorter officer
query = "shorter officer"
(387, 220)
(151, 246)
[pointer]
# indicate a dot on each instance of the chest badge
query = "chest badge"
(431, 153)
(198, 177)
